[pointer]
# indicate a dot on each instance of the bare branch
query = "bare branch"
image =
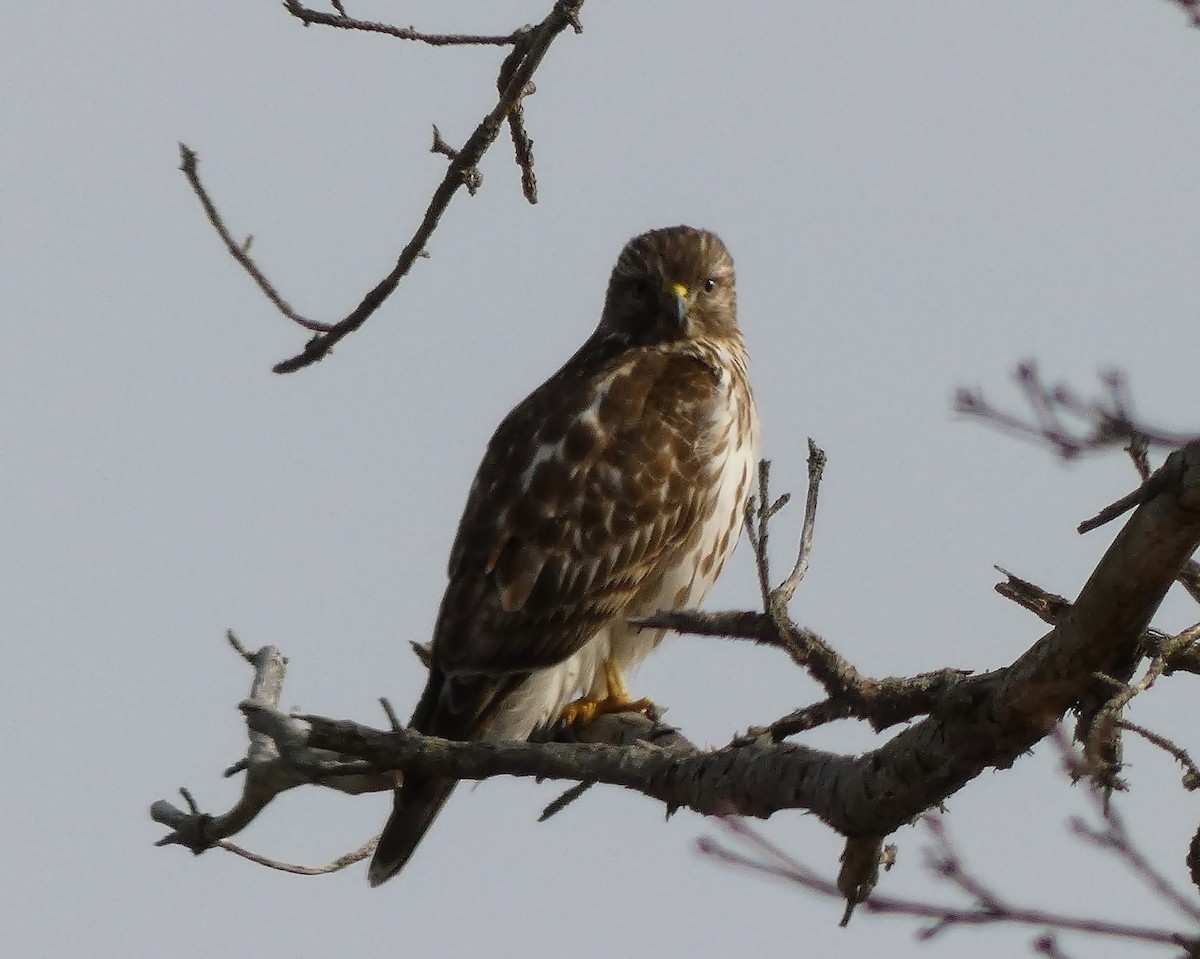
(973, 722)
(1102, 423)
(536, 43)
(522, 144)
(188, 162)
(816, 467)
(563, 801)
(758, 514)
(530, 45)
(349, 859)
(340, 20)
(1191, 775)
(881, 702)
(987, 908)
(281, 757)
(1189, 579)
(1114, 837)
(1142, 494)
(1048, 607)
(277, 760)
(1107, 721)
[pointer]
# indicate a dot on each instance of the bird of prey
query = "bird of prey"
(615, 489)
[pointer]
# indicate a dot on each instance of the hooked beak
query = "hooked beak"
(678, 296)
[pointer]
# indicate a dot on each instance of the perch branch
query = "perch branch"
(984, 721)
(973, 722)
(281, 757)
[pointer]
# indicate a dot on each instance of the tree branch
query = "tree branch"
(340, 20)
(973, 722)
(986, 906)
(530, 45)
(1069, 424)
(282, 755)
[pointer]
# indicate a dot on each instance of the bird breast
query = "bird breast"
(682, 578)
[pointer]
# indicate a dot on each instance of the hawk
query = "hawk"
(616, 489)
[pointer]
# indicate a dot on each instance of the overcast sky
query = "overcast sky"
(917, 195)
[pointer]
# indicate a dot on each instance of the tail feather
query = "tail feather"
(459, 708)
(415, 807)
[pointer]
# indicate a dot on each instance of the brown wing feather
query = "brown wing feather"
(545, 556)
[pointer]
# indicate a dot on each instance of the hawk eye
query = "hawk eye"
(710, 284)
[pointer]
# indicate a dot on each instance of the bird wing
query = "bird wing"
(584, 488)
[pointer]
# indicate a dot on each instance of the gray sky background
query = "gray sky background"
(918, 195)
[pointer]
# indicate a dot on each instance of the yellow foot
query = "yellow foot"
(586, 709)
(616, 699)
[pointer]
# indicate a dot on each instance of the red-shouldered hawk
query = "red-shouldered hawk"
(616, 489)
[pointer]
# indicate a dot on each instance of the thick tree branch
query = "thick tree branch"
(283, 755)
(973, 722)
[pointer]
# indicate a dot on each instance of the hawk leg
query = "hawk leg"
(616, 699)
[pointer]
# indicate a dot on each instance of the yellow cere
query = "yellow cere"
(678, 289)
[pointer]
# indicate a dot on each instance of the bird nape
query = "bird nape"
(616, 489)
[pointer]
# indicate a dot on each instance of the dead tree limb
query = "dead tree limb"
(971, 723)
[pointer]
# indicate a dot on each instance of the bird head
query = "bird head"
(672, 284)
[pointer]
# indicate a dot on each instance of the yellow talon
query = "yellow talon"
(616, 699)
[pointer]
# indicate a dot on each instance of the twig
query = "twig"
(522, 144)
(563, 801)
(1147, 491)
(757, 532)
(277, 760)
(1189, 579)
(530, 48)
(308, 16)
(349, 859)
(1139, 453)
(188, 164)
(1191, 775)
(1048, 607)
(1048, 946)
(1104, 423)
(1101, 744)
(564, 14)
(993, 910)
(1114, 837)
(816, 467)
